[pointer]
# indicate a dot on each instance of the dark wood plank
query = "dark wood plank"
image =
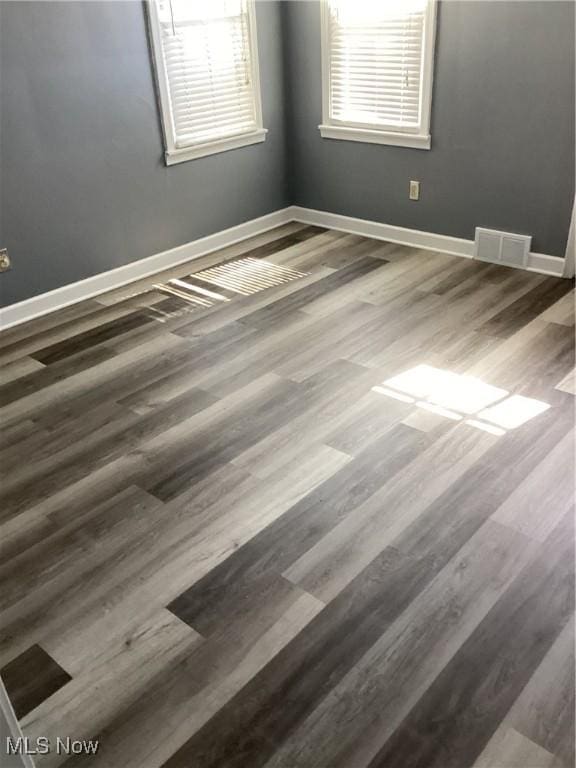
(100, 447)
(443, 526)
(248, 730)
(352, 722)
(454, 720)
(280, 244)
(544, 711)
(91, 338)
(240, 579)
(34, 382)
(31, 678)
(304, 296)
(338, 256)
(368, 421)
(228, 437)
(526, 308)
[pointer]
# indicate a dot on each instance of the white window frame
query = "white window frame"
(418, 138)
(174, 154)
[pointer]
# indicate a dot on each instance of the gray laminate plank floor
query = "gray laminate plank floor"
(306, 502)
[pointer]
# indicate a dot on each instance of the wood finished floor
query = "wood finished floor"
(229, 541)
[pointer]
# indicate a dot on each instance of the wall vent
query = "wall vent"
(503, 248)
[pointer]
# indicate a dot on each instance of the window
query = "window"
(206, 63)
(377, 60)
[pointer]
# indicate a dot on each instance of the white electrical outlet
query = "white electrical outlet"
(414, 190)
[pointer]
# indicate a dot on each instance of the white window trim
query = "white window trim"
(174, 154)
(334, 129)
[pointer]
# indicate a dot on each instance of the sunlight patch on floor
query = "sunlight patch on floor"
(248, 276)
(513, 411)
(455, 396)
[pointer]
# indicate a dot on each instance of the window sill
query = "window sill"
(368, 136)
(174, 156)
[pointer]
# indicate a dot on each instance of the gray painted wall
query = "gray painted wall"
(84, 186)
(502, 128)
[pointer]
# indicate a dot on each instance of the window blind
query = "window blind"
(207, 55)
(375, 62)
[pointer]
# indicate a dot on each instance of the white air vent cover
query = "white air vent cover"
(502, 247)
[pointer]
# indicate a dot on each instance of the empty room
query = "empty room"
(287, 344)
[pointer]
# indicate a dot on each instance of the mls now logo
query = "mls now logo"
(23, 745)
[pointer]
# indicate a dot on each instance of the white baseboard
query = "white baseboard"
(136, 270)
(546, 264)
(413, 237)
(116, 278)
(430, 241)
